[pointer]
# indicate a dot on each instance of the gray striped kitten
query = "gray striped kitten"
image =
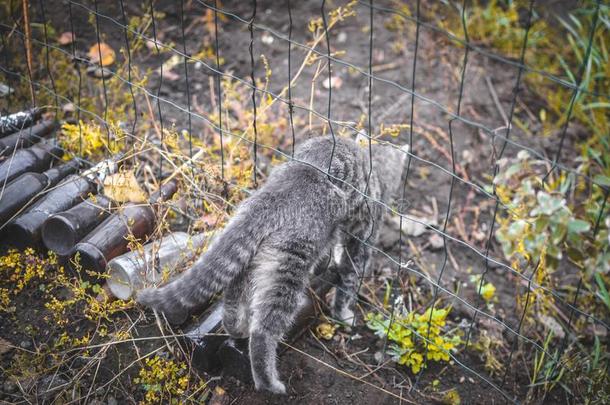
(263, 257)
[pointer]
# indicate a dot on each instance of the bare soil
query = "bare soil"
(328, 373)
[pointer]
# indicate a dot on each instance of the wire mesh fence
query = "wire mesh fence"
(494, 261)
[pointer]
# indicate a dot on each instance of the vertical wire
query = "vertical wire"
(370, 100)
(154, 32)
(99, 50)
(186, 80)
(251, 50)
(129, 71)
(398, 275)
(30, 73)
(497, 157)
(290, 104)
(370, 152)
(564, 341)
(555, 160)
(7, 75)
(521, 319)
(488, 244)
(219, 91)
(47, 58)
(450, 198)
(577, 89)
(330, 88)
(80, 80)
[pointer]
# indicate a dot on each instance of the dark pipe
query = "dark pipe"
(62, 231)
(35, 159)
(17, 121)
(22, 191)
(108, 239)
(201, 342)
(26, 137)
(25, 230)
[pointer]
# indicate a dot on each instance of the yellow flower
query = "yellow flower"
(487, 291)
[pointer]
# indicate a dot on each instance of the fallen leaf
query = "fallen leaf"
(332, 82)
(267, 39)
(168, 65)
(452, 397)
(219, 397)
(123, 187)
(411, 225)
(325, 330)
(107, 54)
(436, 241)
(66, 38)
(553, 325)
(5, 346)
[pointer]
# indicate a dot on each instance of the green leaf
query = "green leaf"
(602, 180)
(578, 226)
(603, 291)
(599, 104)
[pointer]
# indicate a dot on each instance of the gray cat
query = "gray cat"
(262, 259)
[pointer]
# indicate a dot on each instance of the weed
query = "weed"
(408, 333)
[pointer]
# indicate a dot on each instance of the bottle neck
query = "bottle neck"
(56, 174)
(42, 149)
(164, 193)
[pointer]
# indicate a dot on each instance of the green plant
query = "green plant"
(164, 381)
(410, 333)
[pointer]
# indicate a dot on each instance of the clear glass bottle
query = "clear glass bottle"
(131, 271)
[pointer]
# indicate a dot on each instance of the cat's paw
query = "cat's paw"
(344, 315)
(275, 386)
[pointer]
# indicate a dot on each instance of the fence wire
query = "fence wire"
(15, 39)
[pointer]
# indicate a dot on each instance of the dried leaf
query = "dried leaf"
(325, 330)
(123, 187)
(452, 397)
(335, 82)
(5, 346)
(66, 38)
(107, 54)
(220, 397)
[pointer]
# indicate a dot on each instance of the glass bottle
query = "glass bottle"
(22, 191)
(17, 121)
(109, 239)
(62, 231)
(35, 159)
(129, 272)
(26, 137)
(26, 229)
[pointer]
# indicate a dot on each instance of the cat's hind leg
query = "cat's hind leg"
(236, 307)
(354, 265)
(279, 286)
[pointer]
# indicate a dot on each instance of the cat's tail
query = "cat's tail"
(227, 256)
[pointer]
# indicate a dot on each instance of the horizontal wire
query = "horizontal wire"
(439, 106)
(319, 115)
(482, 51)
(383, 204)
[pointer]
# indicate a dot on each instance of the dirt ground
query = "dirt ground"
(329, 371)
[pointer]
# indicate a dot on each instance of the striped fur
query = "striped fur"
(264, 256)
